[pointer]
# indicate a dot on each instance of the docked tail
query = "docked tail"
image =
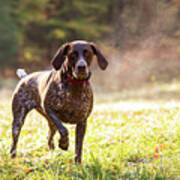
(21, 73)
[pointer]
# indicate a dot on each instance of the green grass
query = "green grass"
(134, 139)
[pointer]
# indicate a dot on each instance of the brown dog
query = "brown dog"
(61, 95)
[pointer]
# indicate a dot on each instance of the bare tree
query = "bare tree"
(117, 22)
(147, 9)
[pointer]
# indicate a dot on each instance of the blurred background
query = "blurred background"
(140, 38)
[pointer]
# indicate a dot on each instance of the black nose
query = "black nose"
(81, 68)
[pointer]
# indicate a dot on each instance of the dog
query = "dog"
(62, 94)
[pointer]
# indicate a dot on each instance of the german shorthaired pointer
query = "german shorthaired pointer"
(62, 94)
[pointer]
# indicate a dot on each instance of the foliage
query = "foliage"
(40, 26)
(8, 31)
(47, 24)
(124, 140)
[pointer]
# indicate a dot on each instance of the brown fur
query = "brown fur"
(55, 98)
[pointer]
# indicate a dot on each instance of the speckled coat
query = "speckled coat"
(58, 100)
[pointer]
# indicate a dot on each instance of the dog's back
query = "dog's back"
(29, 88)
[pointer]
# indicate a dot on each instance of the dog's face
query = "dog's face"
(79, 59)
(78, 56)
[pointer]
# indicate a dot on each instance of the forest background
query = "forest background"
(141, 39)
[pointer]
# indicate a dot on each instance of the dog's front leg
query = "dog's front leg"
(80, 132)
(64, 140)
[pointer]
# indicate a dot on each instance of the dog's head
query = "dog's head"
(78, 56)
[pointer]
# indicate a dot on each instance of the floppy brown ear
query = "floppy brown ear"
(102, 62)
(59, 57)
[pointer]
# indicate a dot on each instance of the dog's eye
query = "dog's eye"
(73, 56)
(86, 54)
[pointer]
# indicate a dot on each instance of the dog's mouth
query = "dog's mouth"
(81, 75)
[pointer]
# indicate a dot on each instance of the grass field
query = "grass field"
(125, 139)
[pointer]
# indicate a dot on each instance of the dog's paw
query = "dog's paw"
(64, 143)
(51, 146)
(78, 161)
(13, 155)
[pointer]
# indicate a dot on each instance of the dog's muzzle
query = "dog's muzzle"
(81, 70)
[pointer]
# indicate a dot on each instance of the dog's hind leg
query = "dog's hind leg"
(51, 133)
(52, 129)
(18, 121)
(20, 108)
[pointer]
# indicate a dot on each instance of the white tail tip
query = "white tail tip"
(21, 73)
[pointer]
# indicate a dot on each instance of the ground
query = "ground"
(125, 139)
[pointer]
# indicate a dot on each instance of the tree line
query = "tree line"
(32, 30)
